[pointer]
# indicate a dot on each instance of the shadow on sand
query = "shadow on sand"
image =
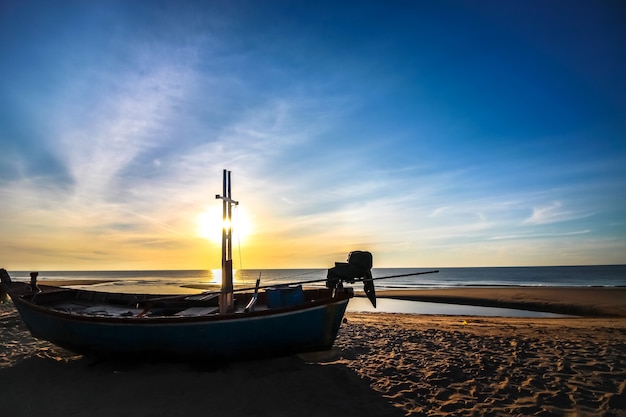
(286, 386)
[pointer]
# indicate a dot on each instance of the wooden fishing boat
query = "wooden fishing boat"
(229, 323)
(284, 321)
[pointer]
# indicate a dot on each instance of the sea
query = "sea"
(194, 281)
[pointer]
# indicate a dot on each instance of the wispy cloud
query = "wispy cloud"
(438, 211)
(97, 143)
(540, 235)
(553, 213)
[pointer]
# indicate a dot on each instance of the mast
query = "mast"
(226, 293)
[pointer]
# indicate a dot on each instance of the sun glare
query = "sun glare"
(209, 224)
(216, 277)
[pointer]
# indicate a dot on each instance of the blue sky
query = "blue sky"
(462, 133)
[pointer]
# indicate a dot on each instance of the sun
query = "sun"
(209, 224)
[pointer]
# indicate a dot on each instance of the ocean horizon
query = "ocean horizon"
(448, 277)
(195, 281)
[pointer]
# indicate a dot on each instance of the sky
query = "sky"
(431, 133)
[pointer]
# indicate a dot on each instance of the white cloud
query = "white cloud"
(539, 235)
(553, 213)
(438, 211)
(98, 142)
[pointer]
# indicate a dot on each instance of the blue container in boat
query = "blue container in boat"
(286, 296)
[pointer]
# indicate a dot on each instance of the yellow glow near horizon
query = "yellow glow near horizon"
(216, 278)
(209, 224)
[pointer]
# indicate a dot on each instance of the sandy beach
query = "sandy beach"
(381, 365)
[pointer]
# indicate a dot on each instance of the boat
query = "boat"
(226, 324)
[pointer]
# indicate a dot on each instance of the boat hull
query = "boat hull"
(240, 336)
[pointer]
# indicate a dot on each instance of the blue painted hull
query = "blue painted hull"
(309, 328)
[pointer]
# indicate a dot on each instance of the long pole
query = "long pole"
(206, 293)
(226, 293)
(326, 279)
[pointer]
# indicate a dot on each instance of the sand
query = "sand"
(381, 365)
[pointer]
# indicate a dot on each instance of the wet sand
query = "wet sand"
(381, 365)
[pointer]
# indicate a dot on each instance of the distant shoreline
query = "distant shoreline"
(579, 301)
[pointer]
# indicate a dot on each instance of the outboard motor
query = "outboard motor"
(33, 282)
(359, 266)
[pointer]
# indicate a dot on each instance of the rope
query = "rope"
(239, 245)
